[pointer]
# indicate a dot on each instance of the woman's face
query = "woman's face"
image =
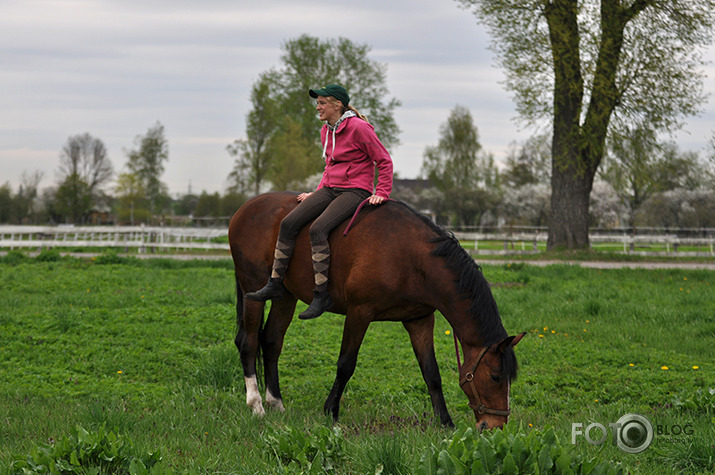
(328, 110)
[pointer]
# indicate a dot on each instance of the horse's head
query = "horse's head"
(486, 380)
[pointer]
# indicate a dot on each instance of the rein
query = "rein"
(469, 378)
(360, 206)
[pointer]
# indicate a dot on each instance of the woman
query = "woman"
(351, 151)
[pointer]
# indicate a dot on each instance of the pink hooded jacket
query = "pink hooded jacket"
(351, 153)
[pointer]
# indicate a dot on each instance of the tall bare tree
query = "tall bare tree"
(84, 169)
(590, 66)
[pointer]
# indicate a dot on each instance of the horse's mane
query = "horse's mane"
(471, 284)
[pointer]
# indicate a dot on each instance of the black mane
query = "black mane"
(472, 284)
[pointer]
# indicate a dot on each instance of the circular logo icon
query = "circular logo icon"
(634, 433)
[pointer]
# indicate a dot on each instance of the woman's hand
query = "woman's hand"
(303, 196)
(376, 200)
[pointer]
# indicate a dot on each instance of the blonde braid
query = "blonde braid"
(346, 108)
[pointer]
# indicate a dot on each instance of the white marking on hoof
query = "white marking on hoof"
(274, 402)
(253, 397)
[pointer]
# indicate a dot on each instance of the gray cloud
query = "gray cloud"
(115, 68)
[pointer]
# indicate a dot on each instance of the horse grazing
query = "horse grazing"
(393, 265)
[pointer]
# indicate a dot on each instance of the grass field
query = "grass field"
(139, 355)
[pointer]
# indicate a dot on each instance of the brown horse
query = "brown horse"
(393, 265)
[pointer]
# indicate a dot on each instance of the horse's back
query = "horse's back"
(381, 248)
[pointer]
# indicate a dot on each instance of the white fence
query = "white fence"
(143, 238)
(177, 239)
(526, 243)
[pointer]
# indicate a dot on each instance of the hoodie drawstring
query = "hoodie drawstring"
(334, 128)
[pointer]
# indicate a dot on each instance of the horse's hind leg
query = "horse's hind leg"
(272, 336)
(353, 334)
(250, 319)
(422, 337)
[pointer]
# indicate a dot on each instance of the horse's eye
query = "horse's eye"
(496, 378)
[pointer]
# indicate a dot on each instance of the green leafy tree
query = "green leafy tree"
(146, 163)
(133, 204)
(638, 166)
(457, 167)
(7, 204)
(252, 158)
(280, 101)
(293, 157)
(528, 164)
(209, 205)
(592, 66)
(73, 200)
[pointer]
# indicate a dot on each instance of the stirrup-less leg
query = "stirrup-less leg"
(275, 289)
(322, 302)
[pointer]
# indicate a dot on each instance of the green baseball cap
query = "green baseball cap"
(335, 90)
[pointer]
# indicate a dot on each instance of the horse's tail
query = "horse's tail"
(240, 334)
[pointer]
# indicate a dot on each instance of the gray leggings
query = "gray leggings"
(331, 206)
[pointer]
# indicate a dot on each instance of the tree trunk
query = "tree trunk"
(578, 149)
(570, 194)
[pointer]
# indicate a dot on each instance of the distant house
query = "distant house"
(101, 214)
(418, 193)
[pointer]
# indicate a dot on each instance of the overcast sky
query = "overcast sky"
(114, 68)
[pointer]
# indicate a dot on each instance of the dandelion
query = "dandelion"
(631, 365)
(119, 372)
(447, 332)
(87, 290)
(531, 425)
(546, 328)
(685, 278)
(553, 331)
(596, 400)
(664, 368)
(694, 367)
(585, 330)
(588, 321)
(541, 336)
(681, 289)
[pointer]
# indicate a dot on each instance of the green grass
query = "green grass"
(145, 349)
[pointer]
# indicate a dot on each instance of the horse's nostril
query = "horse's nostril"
(482, 426)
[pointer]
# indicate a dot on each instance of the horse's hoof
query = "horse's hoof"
(274, 402)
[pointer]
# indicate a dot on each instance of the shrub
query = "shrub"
(13, 258)
(701, 401)
(48, 255)
(109, 257)
(87, 452)
(297, 452)
(508, 451)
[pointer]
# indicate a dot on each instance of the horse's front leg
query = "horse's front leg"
(422, 337)
(353, 335)
(272, 336)
(250, 317)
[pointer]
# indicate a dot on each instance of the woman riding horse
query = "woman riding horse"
(351, 149)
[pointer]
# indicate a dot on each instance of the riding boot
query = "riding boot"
(321, 299)
(322, 302)
(273, 290)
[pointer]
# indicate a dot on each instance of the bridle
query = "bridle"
(479, 408)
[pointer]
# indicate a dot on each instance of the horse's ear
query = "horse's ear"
(517, 338)
(509, 341)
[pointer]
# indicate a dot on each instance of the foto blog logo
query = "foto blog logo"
(632, 433)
